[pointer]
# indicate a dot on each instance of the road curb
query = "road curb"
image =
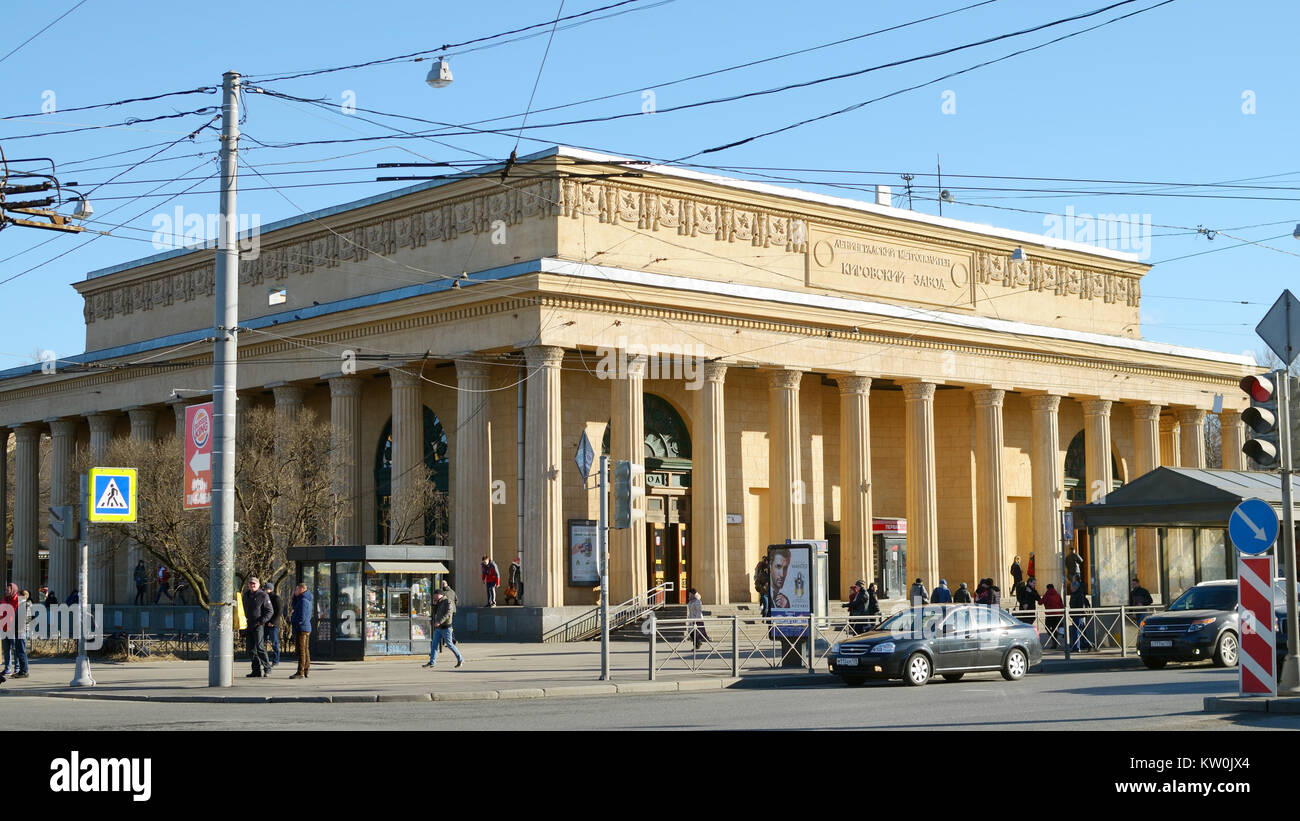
(1238, 704)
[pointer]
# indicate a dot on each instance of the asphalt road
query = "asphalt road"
(1170, 699)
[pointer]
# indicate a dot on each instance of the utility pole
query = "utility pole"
(1290, 680)
(225, 358)
(602, 531)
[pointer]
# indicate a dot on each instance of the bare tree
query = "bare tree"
(418, 513)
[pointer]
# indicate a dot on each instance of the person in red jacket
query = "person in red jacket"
(491, 578)
(1054, 606)
(13, 625)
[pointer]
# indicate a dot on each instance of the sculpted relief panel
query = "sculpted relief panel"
(841, 258)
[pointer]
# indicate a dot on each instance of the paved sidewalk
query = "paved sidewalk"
(491, 671)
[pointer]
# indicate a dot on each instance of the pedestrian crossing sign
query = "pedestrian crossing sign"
(112, 495)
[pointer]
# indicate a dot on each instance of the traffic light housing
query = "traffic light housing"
(1261, 419)
(629, 494)
(63, 522)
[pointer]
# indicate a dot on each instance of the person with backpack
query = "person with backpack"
(918, 593)
(962, 595)
(164, 579)
(491, 575)
(442, 619)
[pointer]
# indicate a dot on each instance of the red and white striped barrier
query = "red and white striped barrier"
(1258, 666)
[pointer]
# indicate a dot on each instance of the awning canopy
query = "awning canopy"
(1182, 497)
(405, 567)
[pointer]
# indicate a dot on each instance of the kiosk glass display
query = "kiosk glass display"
(324, 603)
(348, 577)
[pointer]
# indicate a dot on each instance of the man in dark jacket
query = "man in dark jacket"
(1079, 601)
(918, 592)
(273, 627)
(300, 620)
(962, 596)
(1028, 599)
(517, 580)
(442, 616)
(941, 594)
(1139, 596)
(257, 609)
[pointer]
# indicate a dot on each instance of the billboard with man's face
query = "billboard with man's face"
(791, 579)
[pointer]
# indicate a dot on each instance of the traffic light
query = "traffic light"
(629, 493)
(63, 521)
(1261, 419)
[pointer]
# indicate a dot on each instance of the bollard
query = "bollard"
(1069, 628)
(653, 630)
(735, 646)
(812, 642)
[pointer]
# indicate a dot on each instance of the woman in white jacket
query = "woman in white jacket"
(695, 612)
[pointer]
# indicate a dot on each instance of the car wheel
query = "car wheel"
(1155, 664)
(917, 670)
(1225, 650)
(1015, 665)
(854, 681)
(953, 676)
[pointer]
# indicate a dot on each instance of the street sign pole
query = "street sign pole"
(1290, 683)
(82, 676)
(602, 532)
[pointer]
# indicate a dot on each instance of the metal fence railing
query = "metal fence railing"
(733, 644)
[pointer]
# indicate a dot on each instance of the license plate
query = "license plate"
(1162, 644)
(846, 662)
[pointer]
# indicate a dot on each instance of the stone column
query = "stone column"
(990, 492)
(1048, 490)
(288, 404)
(101, 584)
(1170, 449)
(1191, 422)
(627, 559)
(472, 513)
(64, 490)
(1232, 440)
(143, 429)
(922, 491)
(288, 401)
(544, 553)
(785, 472)
(1096, 442)
(345, 442)
(709, 488)
(406, 523)
(178, 407)
(856, 559)
(1146, 430)
(27, 499)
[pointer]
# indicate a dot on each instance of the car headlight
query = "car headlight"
(883, 647)
(1200, 624)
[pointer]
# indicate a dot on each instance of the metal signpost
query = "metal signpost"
(108, 495)
(1280, 330)
(583, 458)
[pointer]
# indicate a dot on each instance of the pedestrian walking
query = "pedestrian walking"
(873, 600)
(182, 591)
(1139, 596)
(695, 612)
(50, 599)
(273, 626)
(491, 578)
(300, 621)
(1028, 599)
(859, 603)
(455, 603)
(763, 586)
(13, 625)
(1074, 565)
(1017, 577)
(941, 594)
(962, 594)
(141, 582)
(1030, 570)
(917, 595)
(442, 617)
(1052, 606)
(164, 579)
(1079, 601)
(257, 609)
(515, 583)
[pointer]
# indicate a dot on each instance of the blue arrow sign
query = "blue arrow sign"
(1253, 526)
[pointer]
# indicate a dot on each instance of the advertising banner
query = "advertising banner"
(791, 591)
(198, 456)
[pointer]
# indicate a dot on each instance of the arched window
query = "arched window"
(666, 437)
(1076, 471)
(435, 460)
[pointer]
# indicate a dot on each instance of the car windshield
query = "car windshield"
(1279, 593)
(906, 621)
(1210, 597)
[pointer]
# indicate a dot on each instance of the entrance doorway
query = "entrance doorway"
(668, 542)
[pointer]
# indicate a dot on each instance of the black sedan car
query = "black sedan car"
(1202, 624)
(949, 639)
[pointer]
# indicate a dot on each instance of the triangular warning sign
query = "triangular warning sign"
(112, 498)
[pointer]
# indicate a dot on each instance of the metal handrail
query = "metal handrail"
(586, 625)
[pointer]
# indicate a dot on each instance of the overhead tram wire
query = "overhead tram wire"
(47, 27)
(537, 81)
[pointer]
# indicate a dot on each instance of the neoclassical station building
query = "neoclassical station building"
(786, 365)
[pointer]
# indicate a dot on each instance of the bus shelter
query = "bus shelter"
(1170, 522)
(371, 600)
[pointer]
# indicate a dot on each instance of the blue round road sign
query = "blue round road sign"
(1253, 526)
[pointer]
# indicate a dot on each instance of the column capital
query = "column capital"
(784, 379)
(1229, 415)
(1190, 416)
(918, 391)
(345, 385)
(854, 384)
(286, 394)
(142, 413)
(1045, 403)
(467, 370)
(102, 422)
(64, 426)
(989, 397)
(403, 378)
(544, 356)
(1168, 423)
(715, 371)
(1096, 407)
(1146, 412)
(28, 432)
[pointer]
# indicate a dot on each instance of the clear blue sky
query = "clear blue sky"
(1158, 97)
